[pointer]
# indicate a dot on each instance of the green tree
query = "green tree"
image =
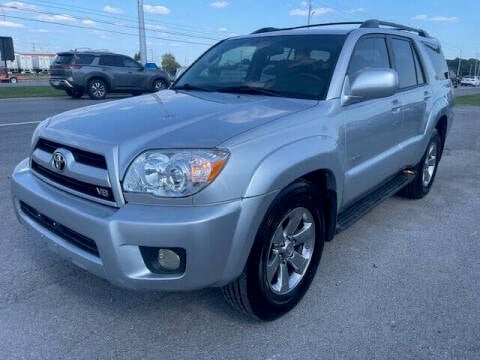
(169, 64)
(136, 57)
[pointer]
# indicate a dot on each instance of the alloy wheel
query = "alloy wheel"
(291, 251)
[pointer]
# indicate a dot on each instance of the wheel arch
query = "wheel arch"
(315, 159)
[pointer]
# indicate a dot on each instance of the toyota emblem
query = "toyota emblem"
(58, 161)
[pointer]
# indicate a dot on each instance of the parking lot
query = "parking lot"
(403, 282)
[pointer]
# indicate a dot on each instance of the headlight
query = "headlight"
(174, 173)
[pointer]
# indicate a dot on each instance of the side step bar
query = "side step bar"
(355, 211)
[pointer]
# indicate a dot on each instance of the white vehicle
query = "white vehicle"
(470, 81)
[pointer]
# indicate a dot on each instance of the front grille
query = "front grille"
(81, 156)
(72, 237)
(98, 192)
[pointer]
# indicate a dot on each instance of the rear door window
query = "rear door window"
(404, 63)
(111, 60)
(370, 52)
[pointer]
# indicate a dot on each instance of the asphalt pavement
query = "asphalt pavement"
(402, 283)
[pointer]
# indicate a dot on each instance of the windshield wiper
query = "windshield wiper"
(249, 90)
(190, 87)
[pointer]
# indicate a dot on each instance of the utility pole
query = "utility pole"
(141, 33)
(459, 62)
(476, 64)
(309, 11)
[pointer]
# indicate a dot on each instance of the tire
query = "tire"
(425, 175)
(13, 80)
(159, 84)
(97, 89)
(75, 94)
(259, 292)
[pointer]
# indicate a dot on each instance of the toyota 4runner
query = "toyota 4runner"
(261, 151)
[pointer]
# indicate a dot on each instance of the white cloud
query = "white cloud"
(316, 11)
(304, 4)
(423, 17)
(219, 4)
(156, 9)
(57, 18)
(154, 27)
(10, 24)
(18, 5)
(222, 29)
(355, 11)
(88, 22)
(112, 10)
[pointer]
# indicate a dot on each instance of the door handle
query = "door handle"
(396, 106)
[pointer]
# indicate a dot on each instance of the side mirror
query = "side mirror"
(370, 84)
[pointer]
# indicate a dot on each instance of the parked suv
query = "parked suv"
(261, 151)
(99, 73)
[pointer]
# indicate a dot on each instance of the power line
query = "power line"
(105, 30)
(44, 12)
(117, 17)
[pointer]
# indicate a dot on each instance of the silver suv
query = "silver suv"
(261, 151)
(98, 73)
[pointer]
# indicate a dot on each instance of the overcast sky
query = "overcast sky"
(188, 27)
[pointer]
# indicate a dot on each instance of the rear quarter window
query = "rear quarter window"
(83, 59)
(63, 59)
(438, 61)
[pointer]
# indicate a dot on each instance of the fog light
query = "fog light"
(168, 259)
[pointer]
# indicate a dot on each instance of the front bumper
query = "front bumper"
(217, 238)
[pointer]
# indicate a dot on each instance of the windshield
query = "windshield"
(298, 66)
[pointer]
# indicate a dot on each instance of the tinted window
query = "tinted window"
(63, 59)
(83, 59)
(418, 69)
(111, 60)
(298, 66)
(127, 62)
(369, 52)
(438, 61)
(404, 63)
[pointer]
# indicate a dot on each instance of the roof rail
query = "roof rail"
(372, 23)
(270, 29)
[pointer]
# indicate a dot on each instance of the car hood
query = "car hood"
(170, 119)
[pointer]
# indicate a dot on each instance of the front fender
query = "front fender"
(294, 160)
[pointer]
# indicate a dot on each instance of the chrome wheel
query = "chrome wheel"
(291, 250)
(97, 88)
(430, 164)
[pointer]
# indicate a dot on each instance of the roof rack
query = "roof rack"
(372, 23)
